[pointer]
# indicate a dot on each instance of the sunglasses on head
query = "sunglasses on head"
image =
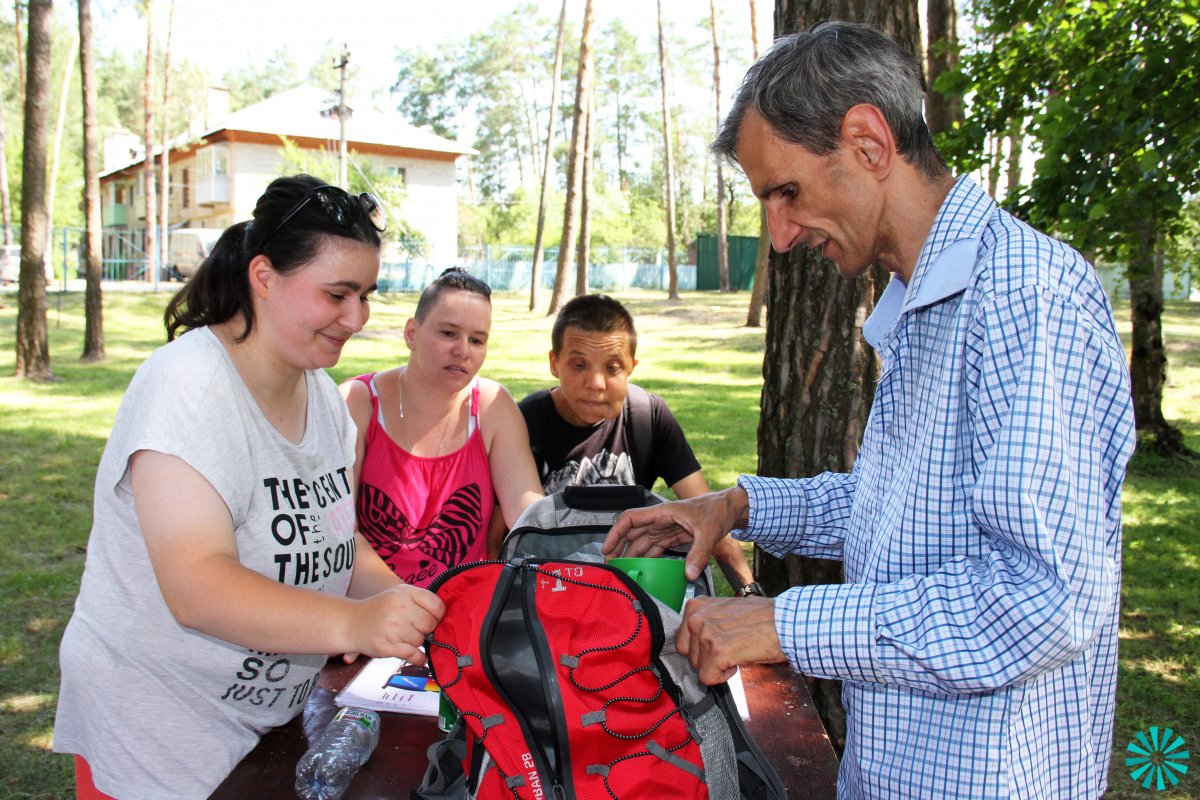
(339, 206)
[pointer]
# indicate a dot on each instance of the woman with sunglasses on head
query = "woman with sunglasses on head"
(223, 565)
(438, 446)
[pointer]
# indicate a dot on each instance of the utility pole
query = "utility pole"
(343, 112)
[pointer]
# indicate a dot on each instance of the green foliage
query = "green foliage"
(647, 220)
(1109, 92)
(1159, 679)
(53, 434)
(362, 176)
(513, 221)
(426, 90)
(253, 81)
(497, 75)
(510, 221)
(492, 86)
(1183, 248)
(741, 208)
(119, 83)
(324, 72)
(627, 77)
(121, 87)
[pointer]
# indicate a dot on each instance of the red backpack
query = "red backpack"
(568, 685)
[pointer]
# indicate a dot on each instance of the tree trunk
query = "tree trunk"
(758, 292)
(531, 139)
(1148, 363)
(547, 163)
(993, 166)
(1016, 146)
(583, 255)
(56, 152)
(570, 232)
(20, 50)
(471, 199)
(93, 308)
(621, 125)
(148, 182)
(5, 198)
(941, 111)
(722, 219)
(164, 208)
(668, 161)
(754, 28)
(819, 374)
(762, 259)
(33, 342)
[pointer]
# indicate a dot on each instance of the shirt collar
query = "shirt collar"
(945, 264)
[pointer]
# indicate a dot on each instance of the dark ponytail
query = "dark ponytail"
(220, 289)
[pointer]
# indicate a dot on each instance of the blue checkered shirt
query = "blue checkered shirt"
(976, 633)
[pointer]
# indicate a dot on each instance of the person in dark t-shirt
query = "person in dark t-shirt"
(597, 428)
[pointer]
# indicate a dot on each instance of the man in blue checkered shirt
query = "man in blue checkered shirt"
(976, 633)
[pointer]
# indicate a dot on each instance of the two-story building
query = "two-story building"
(216, 177)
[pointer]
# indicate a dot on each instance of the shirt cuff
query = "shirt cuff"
(829, 631)
(776, 514)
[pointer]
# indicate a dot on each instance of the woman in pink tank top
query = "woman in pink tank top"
(437, 445)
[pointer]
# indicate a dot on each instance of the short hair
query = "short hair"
(220, 289)
(452, 279)
(806, 82)
(594, 313)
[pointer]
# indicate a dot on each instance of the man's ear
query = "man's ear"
(553, 363)
(869, 139)
(261, 275)
(410, 330)
(632, 365)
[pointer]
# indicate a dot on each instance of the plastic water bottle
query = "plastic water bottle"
(332, 761)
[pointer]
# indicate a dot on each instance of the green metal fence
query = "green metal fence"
(405, 266)
(743, 250)
(510, 268)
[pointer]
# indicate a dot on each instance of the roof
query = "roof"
(298, 112)
(302, 112)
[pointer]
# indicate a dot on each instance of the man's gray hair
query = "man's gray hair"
(806, 82)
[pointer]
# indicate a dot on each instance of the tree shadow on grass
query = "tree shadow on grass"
(46, 482)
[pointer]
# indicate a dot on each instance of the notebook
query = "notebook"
(392, 684)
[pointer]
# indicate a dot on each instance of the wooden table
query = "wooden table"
(782, 720)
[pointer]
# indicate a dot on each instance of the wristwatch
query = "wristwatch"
(751, 589)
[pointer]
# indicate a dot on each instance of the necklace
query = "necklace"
(400, 392)
(400, 399)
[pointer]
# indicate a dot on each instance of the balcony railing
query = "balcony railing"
(212, 191)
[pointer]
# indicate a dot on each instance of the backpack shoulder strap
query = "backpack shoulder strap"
(640, 436)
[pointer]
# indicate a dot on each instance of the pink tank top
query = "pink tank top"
(423, 515)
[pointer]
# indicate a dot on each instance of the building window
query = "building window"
(185, 188)
(398, 173)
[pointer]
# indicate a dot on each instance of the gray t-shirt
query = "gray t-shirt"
(160, 710)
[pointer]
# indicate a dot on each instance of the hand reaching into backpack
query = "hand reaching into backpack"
(702, 520)
(718, 633)
(395, 622)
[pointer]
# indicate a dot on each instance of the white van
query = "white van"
(10, 264)
(188, 247)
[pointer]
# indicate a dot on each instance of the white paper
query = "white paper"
(738, 690)
(392, 684)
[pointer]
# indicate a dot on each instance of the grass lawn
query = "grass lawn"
(695, 353)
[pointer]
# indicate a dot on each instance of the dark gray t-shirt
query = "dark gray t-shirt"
(612, 451)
